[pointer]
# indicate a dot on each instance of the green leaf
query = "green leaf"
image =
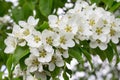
(95, 1)
(27, 9)
(65, 76)
(87, 55)
(108, 3)
(114, 7)
(55, 72)
(114, 46)
(9, 65)
(75, 53)
(19, 53)
(68, 71)
(99, 52)
(4, 7)
(45, 7)
(45, 25)
(59, 3)
(22, 12)
(109, 53)
(1, 73)
(22, 63)
(17, 14)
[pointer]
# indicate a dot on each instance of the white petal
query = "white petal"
(32, 68)
(48, 48)
(60, 63)
(51, 66)
(103, 38)
(93, 44)
(65, 54)
(22, 24)
(103, 46)
(34, 51)
(9, 49)
(115, 40)
(32, 21)
(52, 18)
(70, 43)
(40, 68)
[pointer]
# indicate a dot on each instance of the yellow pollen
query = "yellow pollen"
(112, 32)
(113, 24)
(49, 40)
(92, 22)
(37, 39)
(99, 31)
(68, 29)
(26, 32)
(63, 40)
(42, 53)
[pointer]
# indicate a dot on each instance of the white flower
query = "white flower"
(65, 40)
(35, 39)
(100, 31)
(49, 39)
(43, 55)
(41, 75)
(53, 21)
(98, 43)
(84, 31)
(63, 52)
(68, 23)
(56, 60)
(114, 33)
(33, 64)
(17, 71)
(31, 22)
(5, 19)
(17, 33)
(11, 44)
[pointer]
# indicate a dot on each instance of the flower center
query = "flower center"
(49, 40)
(68, 29)
(98, 41)
(37, 39)
(42, 53)
(92, 22)
(35, 62)
(99, 31)
(63, 40)
(112, 32)
(80, 29)
(113, 24)
(26, 32)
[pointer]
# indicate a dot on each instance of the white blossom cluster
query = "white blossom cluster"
(5, 19)
(50, 47)
(103, 70)
(47, 48)
(88, 22)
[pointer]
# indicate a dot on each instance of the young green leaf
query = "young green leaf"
(19, 53)
(55, 72)
(75, 53)
(45, 7)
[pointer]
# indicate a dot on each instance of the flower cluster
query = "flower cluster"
(49, 47)
(88, 22)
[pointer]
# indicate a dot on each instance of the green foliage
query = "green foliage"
(76, 53)
(55, 72)
(4, 7)
(43, 26)
(45, 7)
(19, 53)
